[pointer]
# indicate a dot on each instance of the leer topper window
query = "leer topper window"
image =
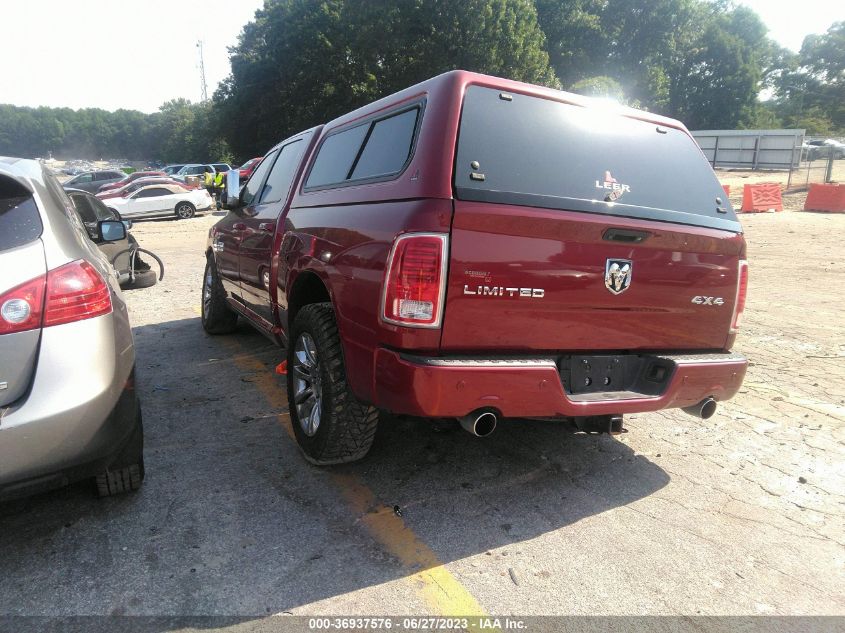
(529, 151)
(377, 149)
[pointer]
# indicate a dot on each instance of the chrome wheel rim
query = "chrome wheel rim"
(206, 291)
(307, 386)
(184, 211)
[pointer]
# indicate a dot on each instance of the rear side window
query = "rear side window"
(20, 222)
(377, 149)
(388, 147)
(521, 150)
(84, 208)
(337, 153)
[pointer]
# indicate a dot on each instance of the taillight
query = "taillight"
(21, 307)
(741, 292)
(75, 291)
(415, 283)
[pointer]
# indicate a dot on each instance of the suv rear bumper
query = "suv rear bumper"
(80, 408)
(532, 387)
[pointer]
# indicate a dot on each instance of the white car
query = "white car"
(162, 200)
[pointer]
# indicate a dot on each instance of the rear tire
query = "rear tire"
(185, 210)
(217, 316)
(342, 429)
(127, 471)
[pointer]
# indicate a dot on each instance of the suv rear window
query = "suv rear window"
(20, 222)
(541, 153)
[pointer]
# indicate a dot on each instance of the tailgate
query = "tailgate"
(21, 261)
(527, 279)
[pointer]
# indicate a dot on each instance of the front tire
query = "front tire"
(217, 316)
(330, 424)
(185, 210)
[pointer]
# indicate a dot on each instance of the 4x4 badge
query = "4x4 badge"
(617, 275)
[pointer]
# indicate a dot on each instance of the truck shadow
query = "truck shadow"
(232, 521)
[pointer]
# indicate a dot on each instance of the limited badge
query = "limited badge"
(617, 275)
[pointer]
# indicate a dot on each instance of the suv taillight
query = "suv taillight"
(415, 283)
(75, 291)
(20, 308)
(72, 292)
(741, 292)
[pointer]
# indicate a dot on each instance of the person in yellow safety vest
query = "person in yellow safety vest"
(208, 181)
(220, 188)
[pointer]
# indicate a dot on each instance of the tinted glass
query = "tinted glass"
(255, 181)
(19, 219)
(279, 180)
(335, 158)
(81, 179)
(153, 193)
(101, 210)
(84, 208)
(542, 153)
(388, 147)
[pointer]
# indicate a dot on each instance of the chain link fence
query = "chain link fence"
(816, 166)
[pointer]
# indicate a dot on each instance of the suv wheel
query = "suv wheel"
(185, 210)
(330, 424)
(127, 471)
(217, 316)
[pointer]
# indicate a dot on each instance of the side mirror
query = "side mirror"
(127, 224)
(111, 231)
(233, 190)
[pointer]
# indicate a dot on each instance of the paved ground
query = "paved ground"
(742, 514)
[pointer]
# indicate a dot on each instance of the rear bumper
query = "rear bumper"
(438, 387)
(80, 407)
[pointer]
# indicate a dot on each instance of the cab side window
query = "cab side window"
(281, 176)
(253, 185)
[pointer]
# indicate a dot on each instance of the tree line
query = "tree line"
(303, 62)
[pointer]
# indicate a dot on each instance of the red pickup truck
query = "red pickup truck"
(474, 247)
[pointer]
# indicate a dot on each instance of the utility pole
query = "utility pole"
(202, 73)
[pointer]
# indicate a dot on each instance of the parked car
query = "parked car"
(826, 148)
(194, 169)
(245, 170)
(162, 200)
(132, 271)
(125, 190)
(129, 179)
(171, 170)
(221, 167)
(68, 402)
(408, 264)
(93, 180)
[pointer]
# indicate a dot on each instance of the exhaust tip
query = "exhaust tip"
(480, 423)
(705, 409)
(708, 409)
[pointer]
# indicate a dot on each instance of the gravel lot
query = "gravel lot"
(741, 514)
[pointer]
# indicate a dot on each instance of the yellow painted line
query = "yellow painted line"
(440, 590)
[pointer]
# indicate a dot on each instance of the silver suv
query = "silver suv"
(68, 406)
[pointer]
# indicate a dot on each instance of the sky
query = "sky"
(115, 54)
